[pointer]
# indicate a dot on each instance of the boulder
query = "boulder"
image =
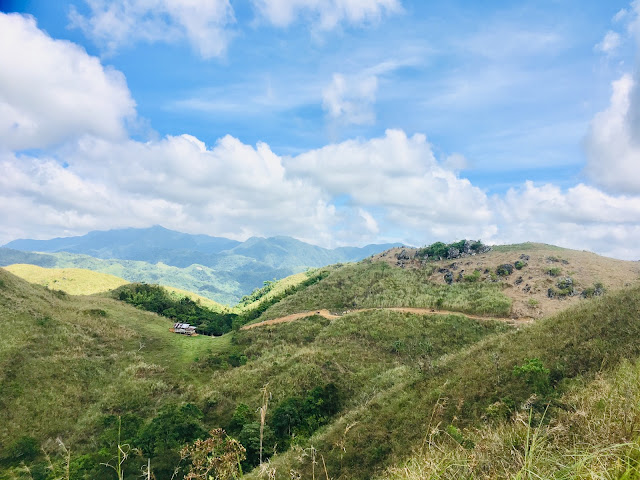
(403, 255)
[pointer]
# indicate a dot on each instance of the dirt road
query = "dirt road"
(419, 311)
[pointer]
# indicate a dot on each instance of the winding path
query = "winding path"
(419, 311)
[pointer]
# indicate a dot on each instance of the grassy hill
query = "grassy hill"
(368, 394)
(74, 281)
(536, 269)
(79, 281)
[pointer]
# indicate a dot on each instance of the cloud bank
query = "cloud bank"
(387, 188)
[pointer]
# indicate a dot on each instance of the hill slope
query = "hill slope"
(364, 392)
(535, 270)
(79, 281)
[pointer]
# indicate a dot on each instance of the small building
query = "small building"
(184, 329)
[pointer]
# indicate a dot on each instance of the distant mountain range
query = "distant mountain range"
(215, 267)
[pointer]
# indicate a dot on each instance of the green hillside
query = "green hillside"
(365, 394)
(79, 281)
(377, 285)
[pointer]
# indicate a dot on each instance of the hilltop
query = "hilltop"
(387, 371)
(540, 279)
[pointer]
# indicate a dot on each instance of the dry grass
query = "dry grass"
(585, 268)
(74, 281)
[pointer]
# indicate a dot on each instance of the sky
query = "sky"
(338, 122)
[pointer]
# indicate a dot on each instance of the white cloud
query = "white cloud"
(581, 217)
(325, 14)
(51, 90)
(400, 176)
(610, 43)
(231, 189)
(114, 24)
(349, 100)
(456, 162)
(370, 222)
(613, 141)
(620, 15)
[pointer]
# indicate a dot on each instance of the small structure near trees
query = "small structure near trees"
(184, 329)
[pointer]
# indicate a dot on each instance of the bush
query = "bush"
(303, 416)
(24, 449)
(170, 429)
(595, 291)
(535, 375)
(472, 278)
(520, 265)
(554, 272)
(504, 270)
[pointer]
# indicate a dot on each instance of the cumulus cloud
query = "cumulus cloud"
(349, 100)
(51, 90)
(613, 140)
(231, 189)
(325, 14)
(610, 43)
(401, 176)
(582, 217)
(114, 24)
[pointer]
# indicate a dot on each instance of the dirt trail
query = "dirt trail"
(420, 311)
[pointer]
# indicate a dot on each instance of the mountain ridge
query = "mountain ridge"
(220, 269)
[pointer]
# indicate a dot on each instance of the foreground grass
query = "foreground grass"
(409, 385)
(594, 436)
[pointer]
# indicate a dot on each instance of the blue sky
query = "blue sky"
(334, 121)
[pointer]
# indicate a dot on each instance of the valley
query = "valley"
(383, 368)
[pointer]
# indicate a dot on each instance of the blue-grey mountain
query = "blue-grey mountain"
(218, 268)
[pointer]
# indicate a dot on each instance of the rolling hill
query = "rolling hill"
(217, 268)
(79, 281)
(371, 392)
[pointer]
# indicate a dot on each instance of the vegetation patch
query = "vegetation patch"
(439, 250)
(376, 284)
(154, 298)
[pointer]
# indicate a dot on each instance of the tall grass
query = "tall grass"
(595, 436)
(376, 284)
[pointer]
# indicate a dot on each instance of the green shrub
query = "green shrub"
(595, 291)
(455, 433)
(473, 277)
(554, 272)
(504, 270)
(520, 264)
(535, 375)
(170, 429)
(24, 449)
